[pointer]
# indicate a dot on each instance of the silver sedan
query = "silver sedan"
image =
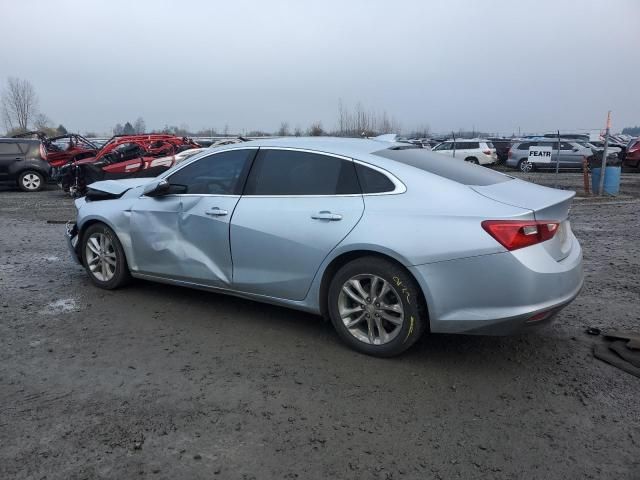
(386, 240)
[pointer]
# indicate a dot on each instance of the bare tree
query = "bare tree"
(19, 104)
(298, 131)
(315, 130)
(41, 122)
(283, 131)
(364, 122)
(139, 126)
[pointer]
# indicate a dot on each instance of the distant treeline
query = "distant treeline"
(633, 131)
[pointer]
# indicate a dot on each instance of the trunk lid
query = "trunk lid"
(546, 204)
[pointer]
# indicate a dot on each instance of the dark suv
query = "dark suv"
(24, 161)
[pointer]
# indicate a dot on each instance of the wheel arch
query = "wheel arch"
(345, 257)
(82, 228)
(18, 168)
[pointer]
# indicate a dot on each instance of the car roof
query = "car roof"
(335, 145)
(468, 140)
(548, 139)
(19, 140)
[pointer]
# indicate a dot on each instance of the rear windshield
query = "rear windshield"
(450, 168)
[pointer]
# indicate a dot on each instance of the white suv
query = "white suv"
(474, 150)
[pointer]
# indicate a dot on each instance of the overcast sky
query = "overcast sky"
(496, 66)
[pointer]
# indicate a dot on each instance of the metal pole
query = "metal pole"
(558, 159)
(454, 144)
(604, 154)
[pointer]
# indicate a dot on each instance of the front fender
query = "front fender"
(117, 220)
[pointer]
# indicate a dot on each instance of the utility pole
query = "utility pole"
(454, 144)
(558, 159)
(604, 154)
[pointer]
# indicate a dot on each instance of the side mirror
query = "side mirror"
(575, 149)
(156, 189)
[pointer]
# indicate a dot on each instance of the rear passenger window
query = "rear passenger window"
(291, 172)
(525, 146)
(467, 145)
(9, 148)
(373, 181)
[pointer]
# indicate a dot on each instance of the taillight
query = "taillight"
(515, 234)
(43, 152)
(487, 152)
(509, 154)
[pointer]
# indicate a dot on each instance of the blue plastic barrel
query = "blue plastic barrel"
(611, 180)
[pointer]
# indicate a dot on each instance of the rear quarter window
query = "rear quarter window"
(9, 148)
(448, 168)
(373, 181)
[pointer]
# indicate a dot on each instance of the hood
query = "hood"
(117, 188)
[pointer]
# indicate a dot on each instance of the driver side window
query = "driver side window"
(217, 174)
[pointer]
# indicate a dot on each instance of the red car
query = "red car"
(632, 156)
(63, 148)
(123, 156)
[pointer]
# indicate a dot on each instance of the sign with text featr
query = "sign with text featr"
(540, 154)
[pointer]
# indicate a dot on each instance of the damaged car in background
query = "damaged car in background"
(387, 240)
(124, 156)
(63, 149)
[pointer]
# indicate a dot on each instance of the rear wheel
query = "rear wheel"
(525, 166)
(376, 307)
(103, 257)
(472, 160)
(31, 181)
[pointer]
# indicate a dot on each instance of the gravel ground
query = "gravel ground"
(164, 382)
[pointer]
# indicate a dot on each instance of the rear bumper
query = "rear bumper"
(73, 241)
(499, 294)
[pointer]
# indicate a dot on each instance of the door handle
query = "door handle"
(217, 212)
(326, 215)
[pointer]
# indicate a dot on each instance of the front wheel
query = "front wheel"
(31, 181)
(103, 257)
(376, 307)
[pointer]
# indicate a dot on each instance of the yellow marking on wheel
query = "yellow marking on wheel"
(410, 330)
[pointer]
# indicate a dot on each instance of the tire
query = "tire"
(525, 167)
(473, 160)
(30, 181)
(366, 318)
(108, 269)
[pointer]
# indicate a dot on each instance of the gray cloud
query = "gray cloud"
(500, 65)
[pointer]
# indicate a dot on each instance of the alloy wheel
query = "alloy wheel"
(371, 309)
(100, 254)
(31, 181)
(526, 166)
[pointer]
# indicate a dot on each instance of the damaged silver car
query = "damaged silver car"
(386, 240)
